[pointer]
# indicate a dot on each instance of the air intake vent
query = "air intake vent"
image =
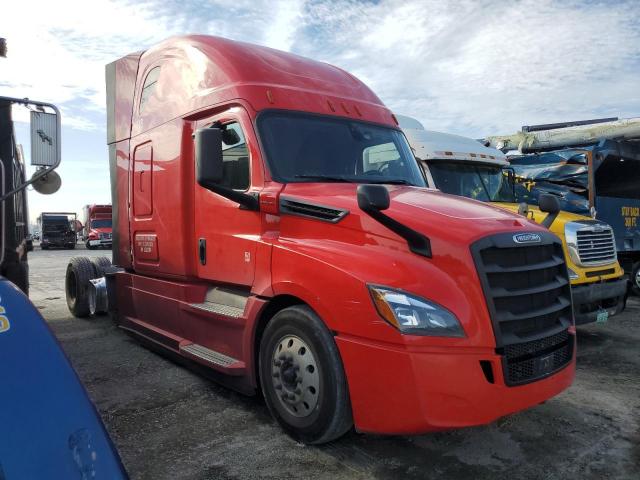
(529, 300)
(311, 210)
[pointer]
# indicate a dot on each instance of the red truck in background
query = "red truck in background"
(96, 231)
(272, 224)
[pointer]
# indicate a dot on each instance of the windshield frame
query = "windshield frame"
(420, 180)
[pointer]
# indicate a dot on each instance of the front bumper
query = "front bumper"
(395, 390)
(57, 242)
(100, 243)
(591, 298)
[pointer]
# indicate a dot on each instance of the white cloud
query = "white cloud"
(469, 67)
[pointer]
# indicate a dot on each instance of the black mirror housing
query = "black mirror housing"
(548, 203)
(208, 146)
(373, 197)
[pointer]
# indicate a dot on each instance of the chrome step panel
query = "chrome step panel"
(208, 355)
(219, 309)
(226, 296)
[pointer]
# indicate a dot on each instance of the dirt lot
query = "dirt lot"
(169, 423)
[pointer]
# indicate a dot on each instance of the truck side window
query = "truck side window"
(235, 157)
(149, 86)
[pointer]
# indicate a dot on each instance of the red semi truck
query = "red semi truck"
(272, 224)
(97, 231)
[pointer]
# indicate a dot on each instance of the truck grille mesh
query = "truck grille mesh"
(596, 247)
(529, 300)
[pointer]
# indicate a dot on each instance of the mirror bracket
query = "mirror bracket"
(371, 199)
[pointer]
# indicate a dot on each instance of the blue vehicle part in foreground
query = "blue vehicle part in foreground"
(48, 426)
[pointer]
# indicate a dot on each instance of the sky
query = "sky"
(474, 68)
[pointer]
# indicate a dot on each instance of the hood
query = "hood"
(431, 212)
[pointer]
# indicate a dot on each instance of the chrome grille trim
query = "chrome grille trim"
(590, 243)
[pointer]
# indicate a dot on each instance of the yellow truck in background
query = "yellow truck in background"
(462, 166)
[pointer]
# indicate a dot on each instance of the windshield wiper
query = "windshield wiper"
(326, 178)
(388, 181)
(337, 178)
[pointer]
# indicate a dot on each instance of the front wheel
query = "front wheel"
(302, 377)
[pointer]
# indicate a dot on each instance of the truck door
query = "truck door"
(226, 234)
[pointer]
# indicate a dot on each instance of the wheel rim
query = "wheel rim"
(637, 279)
(294, 374)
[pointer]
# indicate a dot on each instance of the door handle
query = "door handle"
(202, 251)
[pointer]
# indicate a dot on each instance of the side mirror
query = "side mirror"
(549, 204)
(373, 197)
(208, 146)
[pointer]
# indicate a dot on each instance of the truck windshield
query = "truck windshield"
(313, 148)
(480, 182)
(101, 223)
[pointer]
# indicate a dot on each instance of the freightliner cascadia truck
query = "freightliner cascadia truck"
(97, 231)
(463, 166)
(256, 233)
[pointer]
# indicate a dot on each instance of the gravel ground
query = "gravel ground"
(170, 423)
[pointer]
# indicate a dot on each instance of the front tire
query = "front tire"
(302, 377)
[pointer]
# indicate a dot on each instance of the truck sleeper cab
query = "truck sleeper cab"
(271, 223)
(463, 166)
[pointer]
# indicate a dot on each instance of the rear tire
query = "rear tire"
(100, 264)
(302, 377)
(79, 271)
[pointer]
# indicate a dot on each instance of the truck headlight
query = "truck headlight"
(413, 315)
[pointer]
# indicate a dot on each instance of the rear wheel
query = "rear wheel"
(79, 271)
(100, 264)
(302, 377)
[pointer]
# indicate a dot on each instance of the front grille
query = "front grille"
(538, 358)
(596, 247)
(529, 300)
